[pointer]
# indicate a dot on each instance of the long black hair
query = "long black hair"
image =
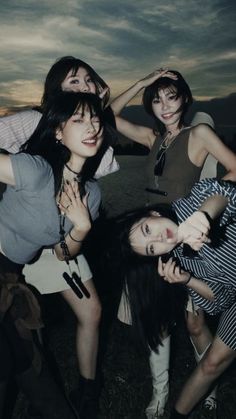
(178, 87)
(43, 141)
(155, 305)
(125, 222)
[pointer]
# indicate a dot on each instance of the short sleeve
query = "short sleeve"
(16, 129)
(224, 297)
(30, 172)
(211, 187)
(94, 198)
(203, 190)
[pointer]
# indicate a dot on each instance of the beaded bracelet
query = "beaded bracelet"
(74, 240)
(190, 277)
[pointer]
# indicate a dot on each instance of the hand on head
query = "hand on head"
(157, 74)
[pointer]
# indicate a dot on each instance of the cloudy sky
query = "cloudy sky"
(123, 40)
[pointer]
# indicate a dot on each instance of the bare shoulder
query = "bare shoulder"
(201, 131)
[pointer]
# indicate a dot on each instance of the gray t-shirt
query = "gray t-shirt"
(29, 216)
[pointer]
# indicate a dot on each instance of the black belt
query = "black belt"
(156, 191)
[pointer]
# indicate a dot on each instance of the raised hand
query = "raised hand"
(103, 92)
(75, 208)
(157, 74)
(194, 231)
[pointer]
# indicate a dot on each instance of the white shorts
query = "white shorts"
(191, 306)
(46, 273)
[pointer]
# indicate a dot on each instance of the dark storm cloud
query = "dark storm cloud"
(123, 40)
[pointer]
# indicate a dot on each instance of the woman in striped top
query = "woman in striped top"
(155, 234)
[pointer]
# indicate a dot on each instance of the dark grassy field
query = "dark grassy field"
(126, 381)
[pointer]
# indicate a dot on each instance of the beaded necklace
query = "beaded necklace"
(74, 279)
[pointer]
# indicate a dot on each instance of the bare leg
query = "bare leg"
(88, 313)
(199, 332)
(214, 363)
(201, 339)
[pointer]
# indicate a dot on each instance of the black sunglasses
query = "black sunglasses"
(160, 162)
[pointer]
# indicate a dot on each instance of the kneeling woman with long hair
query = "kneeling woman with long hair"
(208, 275)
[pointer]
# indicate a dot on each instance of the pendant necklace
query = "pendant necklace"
(74, 279)
(165, 144)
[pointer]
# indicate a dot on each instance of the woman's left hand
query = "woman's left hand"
(103, 92)
(172, 273)
(75, 208)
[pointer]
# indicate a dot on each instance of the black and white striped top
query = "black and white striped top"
(216, 266)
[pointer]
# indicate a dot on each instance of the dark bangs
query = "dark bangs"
(43, 141)
(178, 87)
(66, 104)
(91, 106)
(125, 223)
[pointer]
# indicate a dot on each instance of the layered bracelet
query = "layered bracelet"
(190, 277)
(74, 240)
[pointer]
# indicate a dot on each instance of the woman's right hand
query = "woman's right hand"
(75, 208)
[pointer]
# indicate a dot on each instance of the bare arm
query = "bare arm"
(124, 98)
(200, 288)
(204, 141)
(6, 171)
(140, 134)
(175, 275)
(214, 205)
(74, 241)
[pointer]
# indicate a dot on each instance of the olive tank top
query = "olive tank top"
(179, 173)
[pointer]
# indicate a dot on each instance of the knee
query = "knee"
(195, 325)
(92, 316)
(211, 365)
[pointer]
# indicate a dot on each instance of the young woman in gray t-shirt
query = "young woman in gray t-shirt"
(45, 204)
